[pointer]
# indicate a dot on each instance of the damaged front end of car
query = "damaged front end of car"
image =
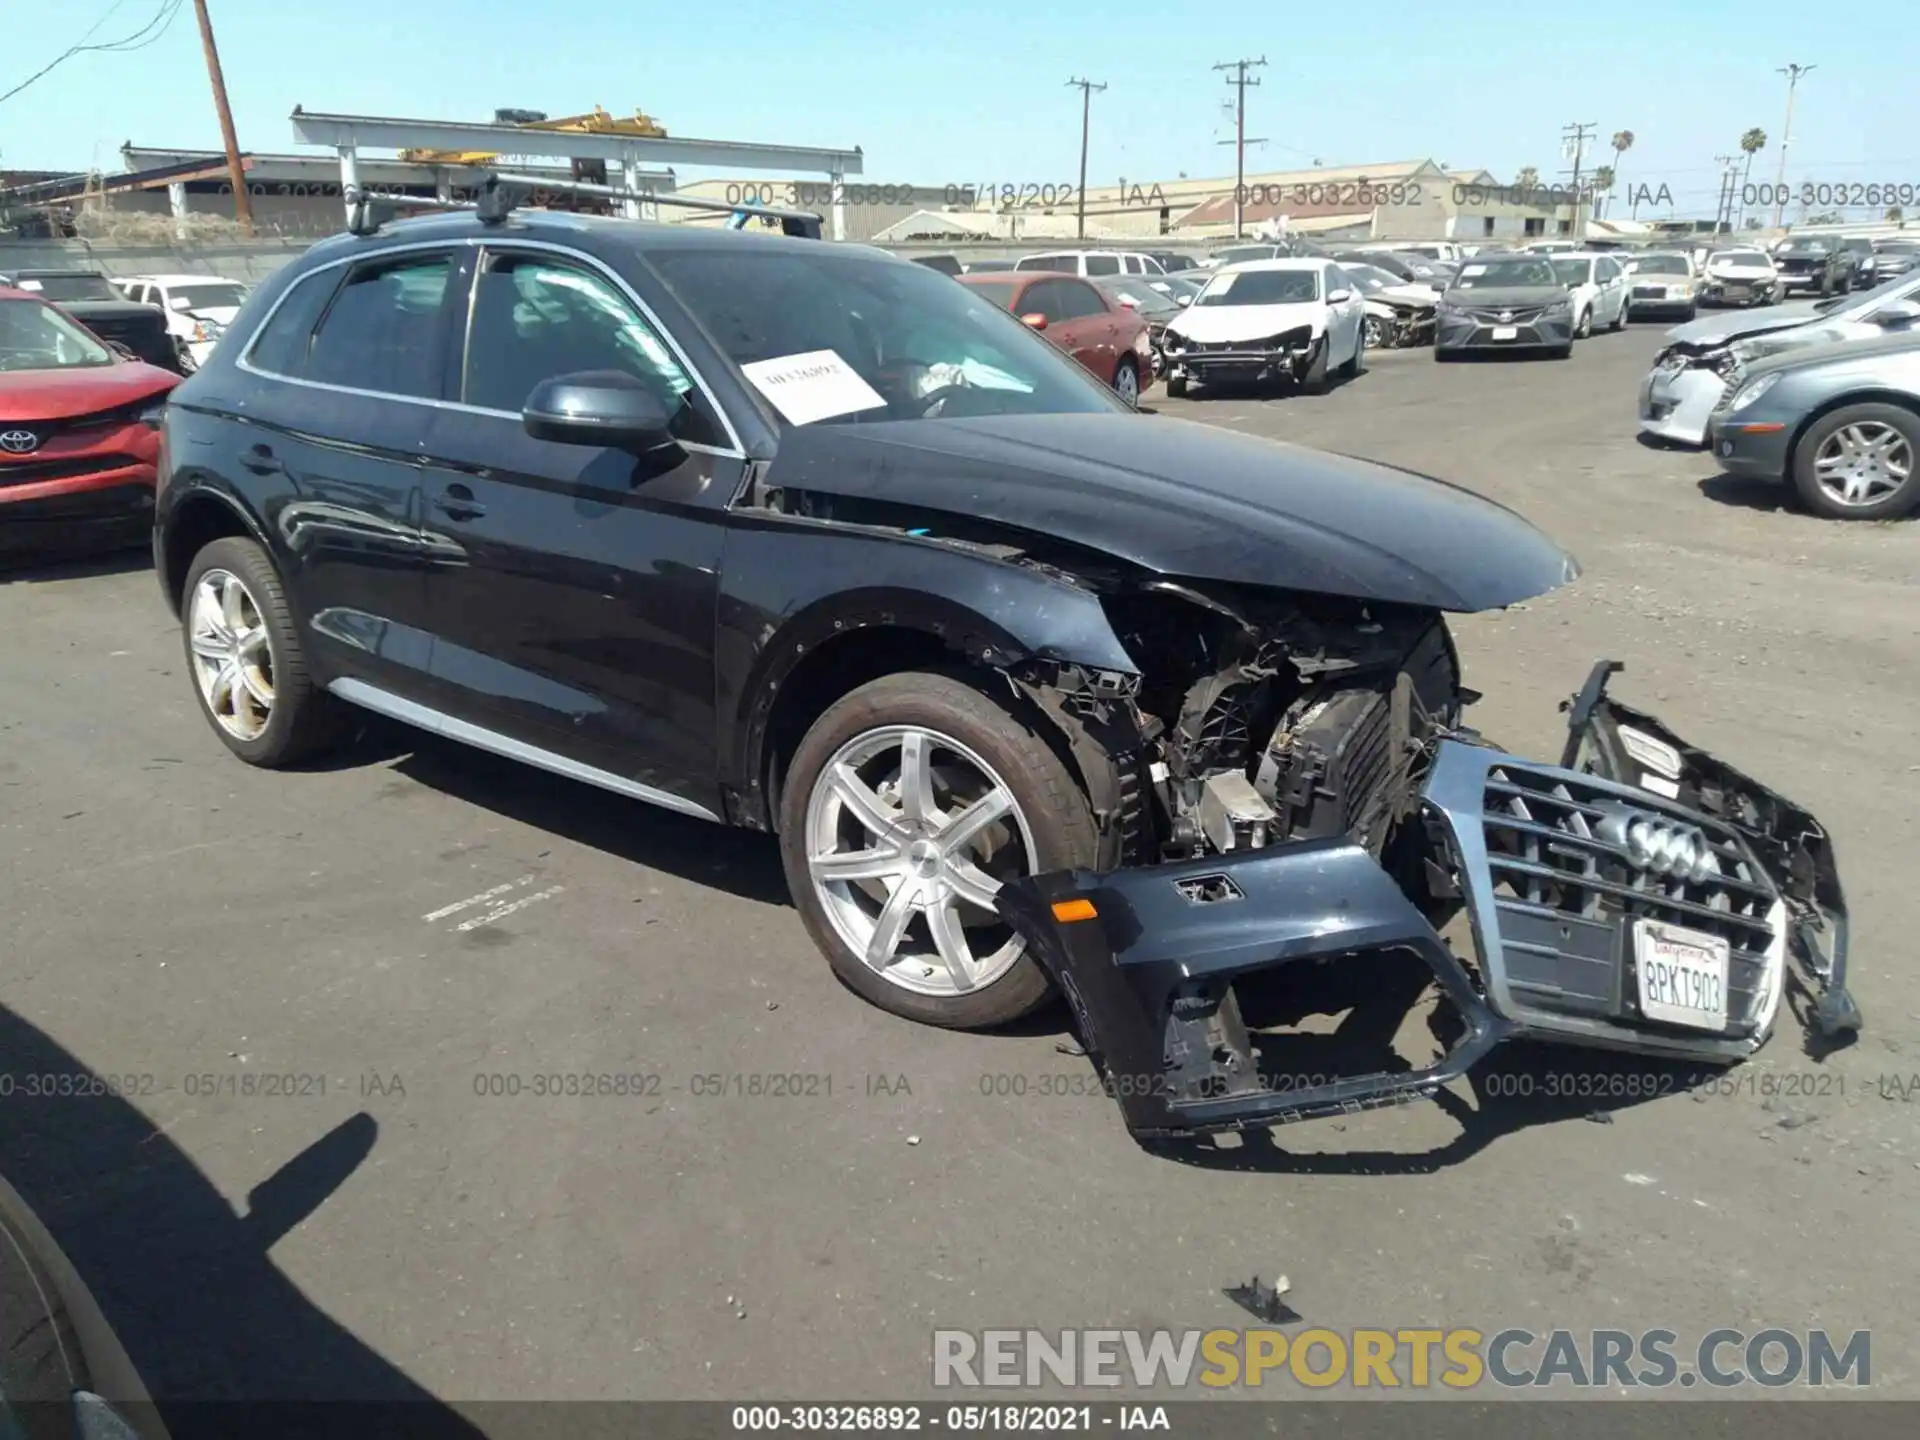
(1328, 817)
(1399, 324)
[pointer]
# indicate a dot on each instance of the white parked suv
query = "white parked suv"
(1091, 264)
(198, 307)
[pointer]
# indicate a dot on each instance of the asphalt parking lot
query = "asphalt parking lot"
(350, 968)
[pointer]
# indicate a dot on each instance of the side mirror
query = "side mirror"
(1034, 321)
(598, 407)
(1896, 315)
(1339, 296)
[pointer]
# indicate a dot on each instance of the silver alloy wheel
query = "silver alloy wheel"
(231, 657)
(1126, 380)
(1862, 463)
(1373, 333)
(907, 824)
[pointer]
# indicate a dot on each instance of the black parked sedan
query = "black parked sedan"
(1813, 265)
(1505, 302)
(809, 539)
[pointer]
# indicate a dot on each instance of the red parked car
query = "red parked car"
(79, 435)
(1109, 339)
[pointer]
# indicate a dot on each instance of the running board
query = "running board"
(436, 722)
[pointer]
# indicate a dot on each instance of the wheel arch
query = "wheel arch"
(1875, 395)
(845, 640)
(193, 521)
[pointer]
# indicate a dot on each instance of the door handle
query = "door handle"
(457, 503)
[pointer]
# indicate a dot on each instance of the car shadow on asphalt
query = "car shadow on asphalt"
(224, 1341)
(741, 862)
(1264, 390)
(1746, 494)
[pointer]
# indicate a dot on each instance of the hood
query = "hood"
(1195, 501)
(1715, 330)
(1729, 270)
(1870, 352)
(1246, 322)
(28, 395)
(107, 309)
(1505, 297)
(1407, 295)
(221, 315)
(1818, 332)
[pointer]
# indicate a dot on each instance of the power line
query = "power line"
(146, 35)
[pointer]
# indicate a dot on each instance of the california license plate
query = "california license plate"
(1506, 332)
(1682, 975)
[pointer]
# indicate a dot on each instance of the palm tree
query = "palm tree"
(1602, 185)
(1752, 143)
(1623, 142)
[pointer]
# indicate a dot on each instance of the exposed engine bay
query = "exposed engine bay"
(1308, 803)
(1288, 801)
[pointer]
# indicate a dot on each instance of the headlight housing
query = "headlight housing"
(1564, 303)
(1752, 391)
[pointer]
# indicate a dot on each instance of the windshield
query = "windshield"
(1660, 265)
(1804, 247)
(1740, 257)
(38, 337)
(844, 337)
(215, 295)
(1262, 287)
(1901, 287)
(1370, 279)
(1523, 271)
(1573, 272)
(1146, 299)
(70, 287)
(1244, 252)
(1897, 247)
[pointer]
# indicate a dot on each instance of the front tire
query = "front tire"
(1858, 463)
(1176, 387)
(909, 802)
(1583, 328)
(246, 660)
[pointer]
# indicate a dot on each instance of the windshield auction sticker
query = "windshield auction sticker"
(815, 386)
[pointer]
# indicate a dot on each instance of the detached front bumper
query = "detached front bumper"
(1677, 403)
(1568, 927)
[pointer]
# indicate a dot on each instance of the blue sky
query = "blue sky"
(976, 94)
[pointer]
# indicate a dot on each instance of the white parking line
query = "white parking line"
(500, 912)
(472, 900)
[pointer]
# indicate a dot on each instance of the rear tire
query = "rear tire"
(1583, 327)
(1126, 381)
(1620, 320)
(969, 741)
(256, 691)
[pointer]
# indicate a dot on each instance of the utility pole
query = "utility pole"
(1729, 179)
(1574, 143)
(1240, 82)
(1793, 74)
(242, 205)
(1087, 87)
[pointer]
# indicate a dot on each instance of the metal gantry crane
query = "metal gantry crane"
(596, 122)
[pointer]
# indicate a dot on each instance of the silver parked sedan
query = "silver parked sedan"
(1840, 423)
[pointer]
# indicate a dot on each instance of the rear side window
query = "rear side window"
(1079, 300)
(378, 333)
(1103, 264)
(1066, 264)
(281, 347)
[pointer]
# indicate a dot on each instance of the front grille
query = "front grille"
(27, 472)
(1649, 292)
(1566, 897)
(1508, 317)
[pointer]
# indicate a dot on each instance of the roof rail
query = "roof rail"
(366, 213)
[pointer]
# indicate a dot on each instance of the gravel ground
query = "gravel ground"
(337, 965)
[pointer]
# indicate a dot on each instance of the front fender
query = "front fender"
(790, 586)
